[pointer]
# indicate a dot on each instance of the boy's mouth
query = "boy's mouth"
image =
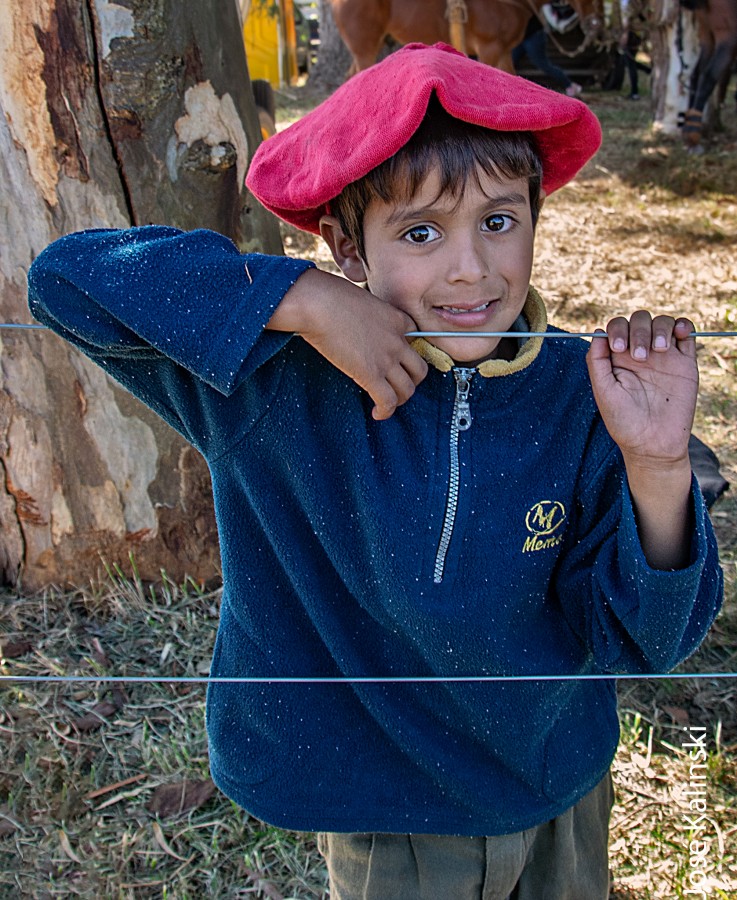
(466, 316)
(462, 309)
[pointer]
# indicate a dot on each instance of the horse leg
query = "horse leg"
(365, 58)
(723, 85)
(692, 123)
(503, 61)
(362, 28)
(496, 53)
(714, 68)
(727, 74)
(718, 64)
(693, 83)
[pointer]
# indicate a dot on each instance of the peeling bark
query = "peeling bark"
(111, 114)
(675, 50)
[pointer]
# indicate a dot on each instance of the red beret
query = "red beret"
(297, 172)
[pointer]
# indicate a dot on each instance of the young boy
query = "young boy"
(450, 538)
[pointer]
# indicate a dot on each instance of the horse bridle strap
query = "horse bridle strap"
(456, 11)
(535, 10)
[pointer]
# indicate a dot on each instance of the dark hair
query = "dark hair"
(458, 148)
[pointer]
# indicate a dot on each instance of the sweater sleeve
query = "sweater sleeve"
(177, 317)
(636, 619)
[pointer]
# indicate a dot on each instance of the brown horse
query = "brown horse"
(716, 21)
(492, 31)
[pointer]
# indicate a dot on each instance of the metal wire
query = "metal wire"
(133, 679)
(544, 334)
(286, 679)
(471, 334)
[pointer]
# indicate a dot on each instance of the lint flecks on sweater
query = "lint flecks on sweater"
(338, 562)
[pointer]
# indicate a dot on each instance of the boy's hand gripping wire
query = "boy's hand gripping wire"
(645, 381)
(546, 334)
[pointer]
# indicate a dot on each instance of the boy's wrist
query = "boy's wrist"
(663, 486)
(297, 310)
(656, 474)
(661, 498)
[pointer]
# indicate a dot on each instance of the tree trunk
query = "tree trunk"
(675, 50)
(333, 58)
(110, 115)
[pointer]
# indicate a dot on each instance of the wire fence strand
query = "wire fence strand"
(462, 334)
(347, 679)
(145, 679)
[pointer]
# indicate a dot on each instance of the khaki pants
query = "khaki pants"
(564, 859)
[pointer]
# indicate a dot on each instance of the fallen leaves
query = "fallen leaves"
(96, 716)
(15, 648)
(182, 796)
(161, 841)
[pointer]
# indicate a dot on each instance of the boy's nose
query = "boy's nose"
(467, 260)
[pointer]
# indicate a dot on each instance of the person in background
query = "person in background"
(561, 18)
(634, 22)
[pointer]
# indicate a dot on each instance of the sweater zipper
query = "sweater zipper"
(461, 421)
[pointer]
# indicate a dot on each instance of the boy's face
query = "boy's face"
(451, 263)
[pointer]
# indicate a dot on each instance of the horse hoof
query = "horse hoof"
(691, 131)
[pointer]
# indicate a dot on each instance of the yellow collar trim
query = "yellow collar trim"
(535, 315)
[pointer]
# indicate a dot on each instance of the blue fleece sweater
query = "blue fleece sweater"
(417, 547)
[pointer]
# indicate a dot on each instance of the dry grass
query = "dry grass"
(104, 787)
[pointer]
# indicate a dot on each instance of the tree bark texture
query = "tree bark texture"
(111, 114)
(675, 50)
(333, 57)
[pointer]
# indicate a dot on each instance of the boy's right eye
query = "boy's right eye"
(421, 234)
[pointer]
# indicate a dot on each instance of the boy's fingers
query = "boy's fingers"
(640, 334)
(682, 330)
(599, 347)
(643, 333)
(403, 384)
(399, 385)
(380, 413)
(618, 331)
(662, 333)
(599, 357)
(415, 366)
(385, 401)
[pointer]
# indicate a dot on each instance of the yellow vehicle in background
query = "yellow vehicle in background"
(278, 36)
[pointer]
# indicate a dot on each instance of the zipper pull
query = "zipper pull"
(462, 408)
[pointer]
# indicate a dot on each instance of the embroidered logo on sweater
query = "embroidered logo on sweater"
(543, 520)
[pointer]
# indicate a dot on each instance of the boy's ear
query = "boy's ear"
(343, 249)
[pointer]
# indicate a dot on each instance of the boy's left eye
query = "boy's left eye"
(421, 234)
(498, 222)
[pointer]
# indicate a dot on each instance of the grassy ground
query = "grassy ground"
(104, 787)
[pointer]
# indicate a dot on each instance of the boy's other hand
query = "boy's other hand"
(645, 380)
(358, 333)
